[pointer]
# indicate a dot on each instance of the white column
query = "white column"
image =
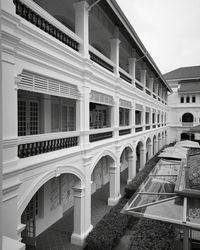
(150, 150)
(114, 51)
(84, 115)
(132, 64)
(78, 235)
(131, 166)
(143, 76)
(114, 185)
(142, 157)
(82, 26)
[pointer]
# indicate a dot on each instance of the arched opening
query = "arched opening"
(126, 168)
(140, 156)
(187, 117)
(100, 187)
(51, 207)
(149, 149)
(154, 145)
(187, 136)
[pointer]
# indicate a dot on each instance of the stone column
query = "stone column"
(78, 235)
(142, 157)
(143, 77)
(114, 51)
(131, 166)
(156, 146)
(114, 185)
(82, 26)
(132, 64)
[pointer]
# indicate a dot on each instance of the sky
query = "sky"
(169, 29)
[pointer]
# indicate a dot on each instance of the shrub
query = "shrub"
(152, 234)
(108, 231)
(132, 186)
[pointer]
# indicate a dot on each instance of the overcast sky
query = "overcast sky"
(169, 29)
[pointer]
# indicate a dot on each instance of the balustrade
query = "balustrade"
(40, 147)
(34, 18)
(100, 136)
(124, 132)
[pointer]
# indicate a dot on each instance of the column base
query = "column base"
(113, 201)
(78, 239)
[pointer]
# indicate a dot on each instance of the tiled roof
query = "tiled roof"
(188, 87)
(194, 169)
(183, 73)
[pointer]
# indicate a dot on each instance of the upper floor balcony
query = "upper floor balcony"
(48, 123)
(98, 34)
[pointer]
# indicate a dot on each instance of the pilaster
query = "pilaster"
(131, 166)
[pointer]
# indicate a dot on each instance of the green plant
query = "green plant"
(107, 233)
(152, 234)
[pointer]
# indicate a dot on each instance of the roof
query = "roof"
(192, 72)
(123, 19)
(189, 87)
(194, 169)
(195, 129)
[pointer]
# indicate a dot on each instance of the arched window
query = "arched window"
(187, 117)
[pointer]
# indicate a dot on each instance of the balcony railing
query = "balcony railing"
(148, 127)
(42, 23)
(138, 85)
(100, 136)
(148, 92)
(41, 147)
(138, 129)
(125, 76)
(154, 126)
(124, 132)
(187, 124)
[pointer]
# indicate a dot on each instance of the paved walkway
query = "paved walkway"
(57, 237)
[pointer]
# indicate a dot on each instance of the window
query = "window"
(28, 114)
(158, 118)
(38, 113)
(182, 99)
(63, 115)
(99, 116)
(123, 117)
(187, 99)
(146, 117)
(194, 99)
(138, 117)
(153, 118)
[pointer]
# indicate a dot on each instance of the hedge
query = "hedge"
(108, 231)
(152, 234)
(133, 185)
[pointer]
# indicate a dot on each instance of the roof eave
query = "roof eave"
(113, 4)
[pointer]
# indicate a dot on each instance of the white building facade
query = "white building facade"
(184, 103)
(82, 101)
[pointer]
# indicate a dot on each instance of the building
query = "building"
(82, 101)
(184, 103)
